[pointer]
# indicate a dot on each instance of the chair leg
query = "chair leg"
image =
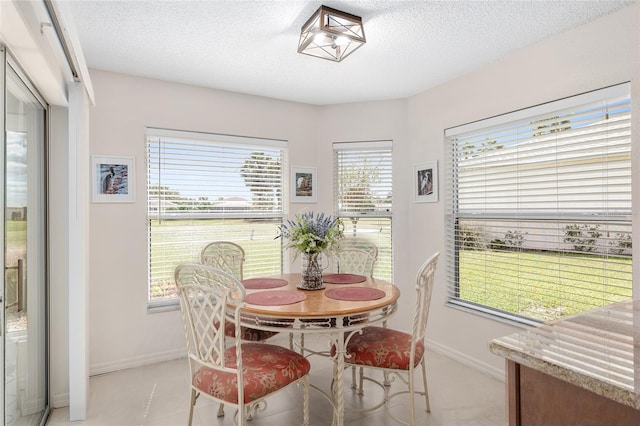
(192, 403)
(221, 410)
(353, 378)
(412, 403)
(386, 380)
(241, 415)
(361, 382)
(426, 388)
(305, 404)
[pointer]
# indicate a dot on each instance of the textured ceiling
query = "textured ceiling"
(250, 46)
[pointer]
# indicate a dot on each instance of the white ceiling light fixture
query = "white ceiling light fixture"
(331, 34)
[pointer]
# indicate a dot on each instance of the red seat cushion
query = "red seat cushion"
(253, 334)
(266, 368)
(248, 334)
(382, 347)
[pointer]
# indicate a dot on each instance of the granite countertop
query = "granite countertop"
(594, 350)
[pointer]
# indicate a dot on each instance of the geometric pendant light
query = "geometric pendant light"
(331, 34)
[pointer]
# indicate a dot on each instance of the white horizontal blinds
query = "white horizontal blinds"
(204, 177)
(363, 178)
(557, 161)
(363, 196)
(539, 221)
(203, 188)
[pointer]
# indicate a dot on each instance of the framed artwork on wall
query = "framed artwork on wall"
(304, 185)
(425, 182)
(113, 179)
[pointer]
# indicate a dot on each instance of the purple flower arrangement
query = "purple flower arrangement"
(311, 233)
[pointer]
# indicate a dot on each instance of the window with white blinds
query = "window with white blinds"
(207, 187)
(363, 196)
(539, 208)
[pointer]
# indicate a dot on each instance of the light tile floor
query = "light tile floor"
(158, 395)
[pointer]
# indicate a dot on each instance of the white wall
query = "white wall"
(590, 57)
(373, 121)
(123, 334)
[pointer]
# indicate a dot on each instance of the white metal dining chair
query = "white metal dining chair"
(243, 374)
(224, 255)
(356, 256)
(397, 353)
(230, 257)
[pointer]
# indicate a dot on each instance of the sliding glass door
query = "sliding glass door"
(24, 298)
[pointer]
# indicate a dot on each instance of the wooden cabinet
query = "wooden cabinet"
(536, 398)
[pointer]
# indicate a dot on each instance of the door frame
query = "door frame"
(42, 214)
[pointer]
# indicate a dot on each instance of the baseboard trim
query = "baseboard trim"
(133, 362)
(60, 400)
(139, 361)
(465, 359)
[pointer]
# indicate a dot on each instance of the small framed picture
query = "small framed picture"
(303, 185)
(425, 182)
(113, 179)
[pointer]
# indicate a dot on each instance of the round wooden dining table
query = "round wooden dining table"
(340, 309)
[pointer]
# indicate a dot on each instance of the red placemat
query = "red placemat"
(343, 278)
(355, 293)
(262, 283)
(274, 297)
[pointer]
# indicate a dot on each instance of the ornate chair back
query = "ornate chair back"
(205, 293)
(229, 257)
(424, 287)
(356, 256)
(224, 255)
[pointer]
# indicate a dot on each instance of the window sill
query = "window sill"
(487, 313)
(163, 306)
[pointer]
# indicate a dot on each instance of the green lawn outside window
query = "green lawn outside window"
(542, 285)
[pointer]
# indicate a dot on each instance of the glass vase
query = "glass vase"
(311, 272)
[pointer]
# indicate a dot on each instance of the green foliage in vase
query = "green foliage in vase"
(311, 233)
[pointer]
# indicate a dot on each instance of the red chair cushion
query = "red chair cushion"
(247, 333)
(382, 347)
(266, 368)
(253, 334)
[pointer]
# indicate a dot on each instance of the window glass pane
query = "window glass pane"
(180, 241)
(363, 197)
(363, 179)
(204, 177)
(539, 220)
(213, 188)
